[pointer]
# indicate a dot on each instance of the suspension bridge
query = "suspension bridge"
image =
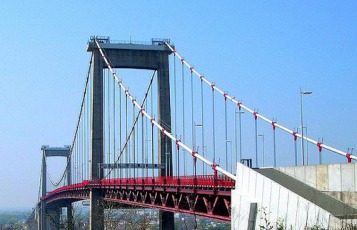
(172, 141)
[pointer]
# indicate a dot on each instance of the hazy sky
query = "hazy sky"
(261, 53)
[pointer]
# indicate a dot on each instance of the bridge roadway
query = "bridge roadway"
(207, 196)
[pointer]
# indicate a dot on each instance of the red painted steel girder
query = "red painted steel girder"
(206, 196)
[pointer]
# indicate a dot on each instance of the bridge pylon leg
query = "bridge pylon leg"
(167, 220)
(43, 217)
(52, 218)
(70, 223)
(96, 210)
(97, 143)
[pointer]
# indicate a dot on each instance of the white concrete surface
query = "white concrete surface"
(328, 178)
(259, 201)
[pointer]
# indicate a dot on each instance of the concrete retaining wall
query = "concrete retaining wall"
(328, 178)
(273, 204)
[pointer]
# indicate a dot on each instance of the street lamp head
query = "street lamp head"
(306, 92)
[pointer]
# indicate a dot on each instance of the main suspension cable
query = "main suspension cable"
(239, 104)
(173, 138)
(78, 124)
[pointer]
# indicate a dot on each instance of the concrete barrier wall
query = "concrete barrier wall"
(258, 201)
(327, 178)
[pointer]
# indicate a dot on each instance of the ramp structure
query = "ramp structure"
(268, 197)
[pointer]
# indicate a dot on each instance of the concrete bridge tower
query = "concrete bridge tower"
(152, 56)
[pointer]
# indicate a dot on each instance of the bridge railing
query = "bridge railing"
(200, 180)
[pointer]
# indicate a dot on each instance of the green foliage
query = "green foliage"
(13, 219)
(266, 223)
(280, 224)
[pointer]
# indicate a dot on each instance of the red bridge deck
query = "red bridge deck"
(206, 196)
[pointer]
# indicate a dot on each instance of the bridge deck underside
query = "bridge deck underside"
(207, 197)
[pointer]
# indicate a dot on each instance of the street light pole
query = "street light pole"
(262, 135)
(307, 148)
(302, 125)
(306, 143)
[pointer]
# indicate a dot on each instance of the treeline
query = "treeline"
(13, 217)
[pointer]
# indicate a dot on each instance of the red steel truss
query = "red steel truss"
(206, 196)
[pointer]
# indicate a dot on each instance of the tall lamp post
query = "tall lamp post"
(302, 125)
(262, 135)
(306, 144)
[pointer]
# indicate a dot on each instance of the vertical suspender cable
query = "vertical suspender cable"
(114, 126)
(175, 104)
(235, 140)
(142, 144)
(295, 148)
(202, 129)
(225, 130)
(104, 119)
(274, 144)
(76, 153)
(146, 143)
(120, 132)
(126, 131)
(256, 141)
(213, 127)
(240, 133)
(152, 131)
(75, 159)
(108, 117)
(82, 145)
(79, 149)
(87, 137)
(183, 115)
(87, 105)
(120, 129)
(76, 163)
(84, 140)
(152, 149)
(178, 161)
(72, 166)
(166, 156)
(192, 123)
(134, 143)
